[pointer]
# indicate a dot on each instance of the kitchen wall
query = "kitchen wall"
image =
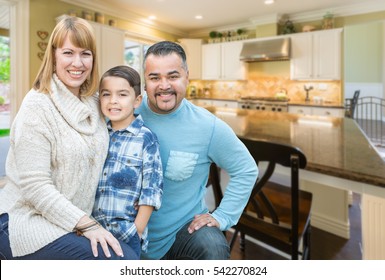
(364, 63)
(43, 14)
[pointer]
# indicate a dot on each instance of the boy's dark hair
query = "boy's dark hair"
(164, 48)
(129, 74)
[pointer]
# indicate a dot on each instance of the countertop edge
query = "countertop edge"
(352, 176)
(290, 103)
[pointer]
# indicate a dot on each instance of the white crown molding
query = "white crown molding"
(267, 19)
(248, 25)
(124, 13)
(342, 11)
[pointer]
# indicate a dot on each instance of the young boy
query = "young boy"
(131, 185)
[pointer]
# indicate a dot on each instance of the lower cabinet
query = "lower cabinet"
(216, 103)
(202, 102)
(225, 104)
(317, 111)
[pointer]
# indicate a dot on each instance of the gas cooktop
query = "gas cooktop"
(264, 98)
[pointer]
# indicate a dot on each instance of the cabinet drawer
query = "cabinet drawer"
(302, 110)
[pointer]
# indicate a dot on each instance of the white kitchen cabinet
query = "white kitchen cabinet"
(316, 111)
(193, 49)
(316, 55)
(225, 103)
(202, 102)
(332, 112)
(221, 61)
(216, 103)
(110, 46)
(302, 110)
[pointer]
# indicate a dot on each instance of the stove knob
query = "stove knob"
(279, 109)
(273, 109)
(257, 108)
(262, 108)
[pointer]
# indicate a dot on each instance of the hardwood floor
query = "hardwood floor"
(324, 245)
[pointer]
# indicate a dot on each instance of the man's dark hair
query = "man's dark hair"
(166, 48)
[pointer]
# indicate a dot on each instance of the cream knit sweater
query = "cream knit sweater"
(57, 151)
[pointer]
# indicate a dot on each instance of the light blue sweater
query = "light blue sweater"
(191, 138)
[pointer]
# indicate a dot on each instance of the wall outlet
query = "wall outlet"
(322, 86)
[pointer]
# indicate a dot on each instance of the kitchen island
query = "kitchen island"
(340, 159)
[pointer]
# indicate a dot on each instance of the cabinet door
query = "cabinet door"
(112, 53)
(232, 67)
(193, 49)
(331, 112)
(211, 62)
(110, 46)
(225, 104)
(327, 55)
(202, 102)
(301, 62)
(316, 55)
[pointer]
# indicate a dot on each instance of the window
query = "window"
(4, 83)
(134, 54)
(4, 101)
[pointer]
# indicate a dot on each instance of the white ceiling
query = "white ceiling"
(177, 16)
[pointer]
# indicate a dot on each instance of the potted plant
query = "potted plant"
(219, 35)
(239, 33)
(213, 35)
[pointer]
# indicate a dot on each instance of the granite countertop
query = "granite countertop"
(294, 103)
(313, 104)
(211, 98)
(333, 146)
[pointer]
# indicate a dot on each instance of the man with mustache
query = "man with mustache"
(190, 138)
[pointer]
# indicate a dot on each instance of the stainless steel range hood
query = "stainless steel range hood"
(266, 50)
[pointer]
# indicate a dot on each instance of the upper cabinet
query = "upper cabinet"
(316, 55)
(220, 61)
(193, 49)
(110, 46)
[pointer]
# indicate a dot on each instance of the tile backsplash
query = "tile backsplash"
(265, 79)
(268, 86)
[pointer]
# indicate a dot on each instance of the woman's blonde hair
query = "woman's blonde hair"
(81, 35)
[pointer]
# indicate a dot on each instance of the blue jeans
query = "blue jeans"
(67, 247)
(208, 243)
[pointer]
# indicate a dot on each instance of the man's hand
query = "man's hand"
(201, 221)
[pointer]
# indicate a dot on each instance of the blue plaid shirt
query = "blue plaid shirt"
(132, 173)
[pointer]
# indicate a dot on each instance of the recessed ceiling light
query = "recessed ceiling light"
(268, 2)
(152, 17)
(198, 17)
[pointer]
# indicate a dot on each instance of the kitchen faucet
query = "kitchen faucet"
(307, 89)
